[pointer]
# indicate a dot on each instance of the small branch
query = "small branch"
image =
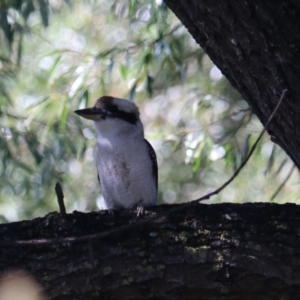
(60, 199)
(283, 183)
(140, 223)
(235, 174)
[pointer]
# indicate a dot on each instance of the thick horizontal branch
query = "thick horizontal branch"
(202, 251)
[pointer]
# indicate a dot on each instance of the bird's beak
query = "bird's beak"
(92, 113)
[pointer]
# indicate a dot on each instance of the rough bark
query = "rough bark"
(256, 46)
(224, 251)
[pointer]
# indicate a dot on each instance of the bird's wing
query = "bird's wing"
(154, 162)
(98, 178)
(98, 175)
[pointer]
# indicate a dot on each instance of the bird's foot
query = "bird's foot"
(111, 211)
(140, 211)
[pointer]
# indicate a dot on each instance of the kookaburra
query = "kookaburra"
(125, 160)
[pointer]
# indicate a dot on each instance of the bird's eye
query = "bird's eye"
(113, 108)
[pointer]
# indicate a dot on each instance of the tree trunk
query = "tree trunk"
(223, 251)
(256, 46)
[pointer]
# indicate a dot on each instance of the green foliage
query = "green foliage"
(57, 57)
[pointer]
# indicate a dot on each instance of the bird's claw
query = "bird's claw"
(139, 211)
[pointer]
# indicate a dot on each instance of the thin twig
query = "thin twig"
(84, 238)
(128, 227)
(283, 183)
(226, 183)
(60, 199)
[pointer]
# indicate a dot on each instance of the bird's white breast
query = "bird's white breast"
(125, 171)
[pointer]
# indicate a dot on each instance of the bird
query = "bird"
(126, 162)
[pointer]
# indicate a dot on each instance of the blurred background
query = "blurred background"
(58, 56)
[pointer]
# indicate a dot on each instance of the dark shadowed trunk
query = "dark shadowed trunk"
(224, 251)
(256, 44)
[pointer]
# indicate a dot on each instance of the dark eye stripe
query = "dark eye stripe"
(113, 111)
(128, 117)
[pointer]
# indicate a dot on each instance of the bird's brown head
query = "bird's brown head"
(110, 107)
